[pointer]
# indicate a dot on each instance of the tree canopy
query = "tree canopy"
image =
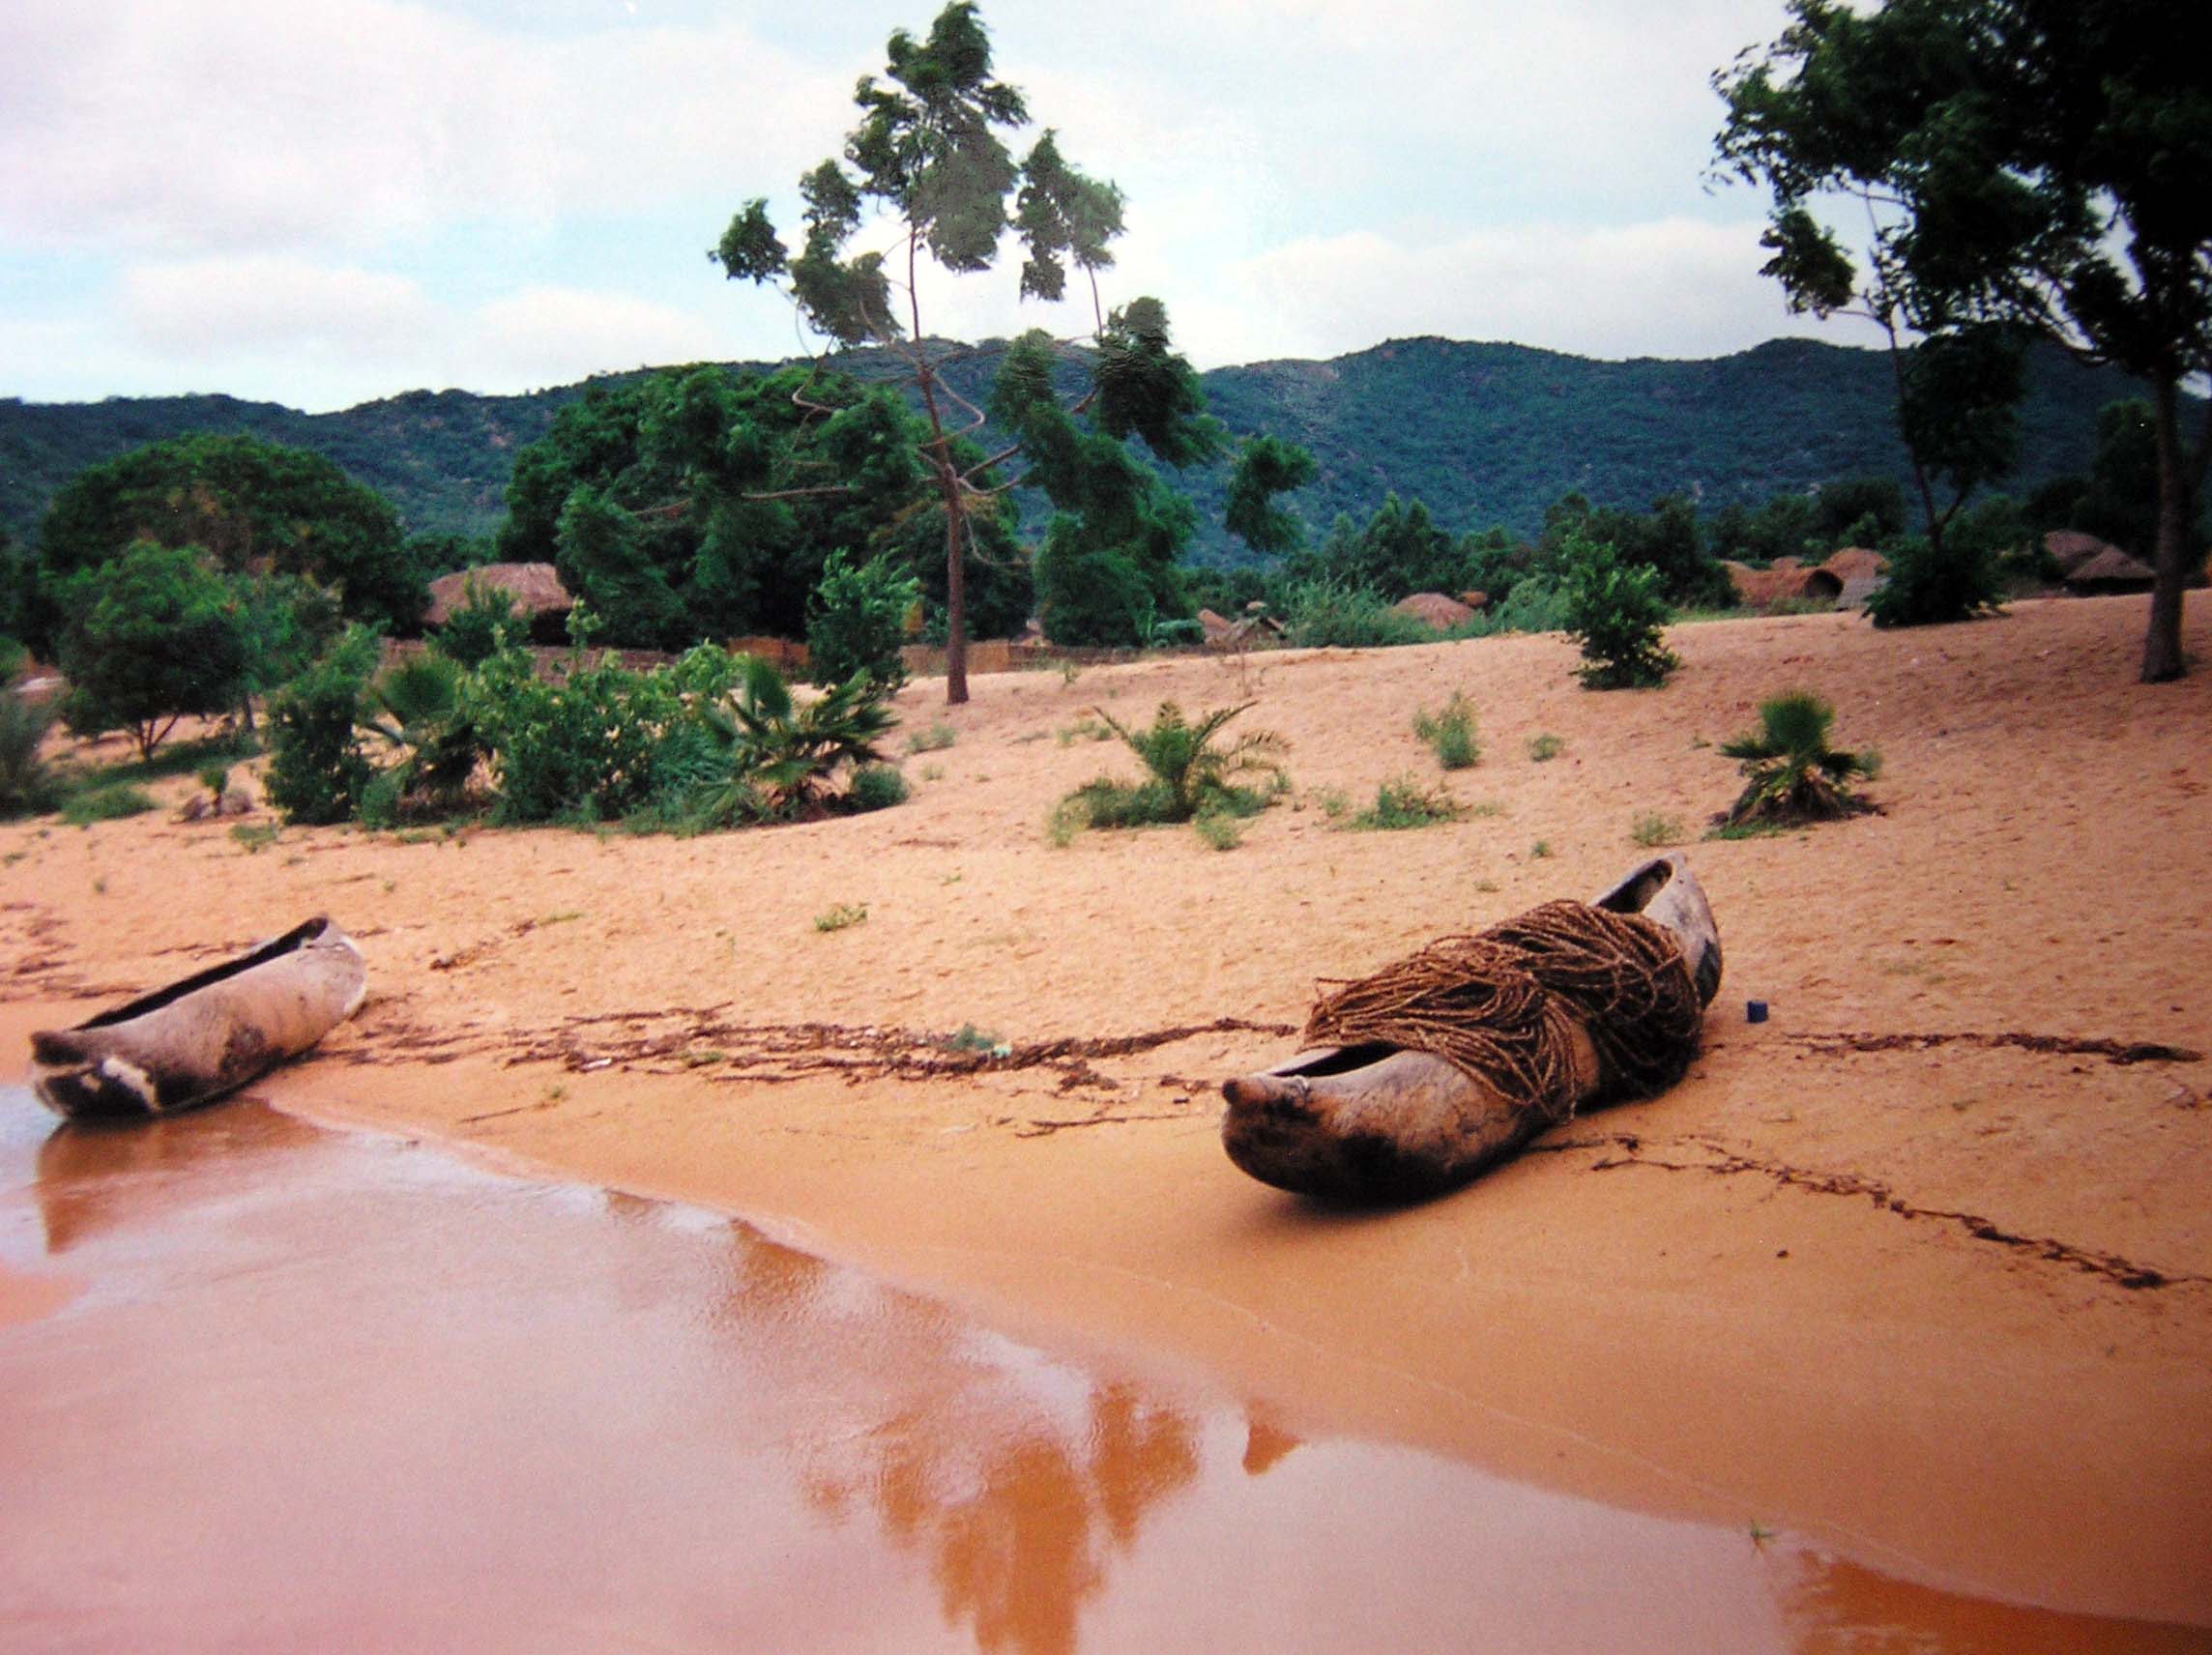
(2027, 166)
(252, 509)
(929, 156)
(698, 503)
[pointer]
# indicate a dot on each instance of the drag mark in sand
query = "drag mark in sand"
(1723, 1161)
(2119, 1053)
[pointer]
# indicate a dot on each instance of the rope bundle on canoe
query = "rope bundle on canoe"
(1503, 1005)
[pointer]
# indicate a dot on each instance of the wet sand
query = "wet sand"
(1915, 1273)
(334, 1390)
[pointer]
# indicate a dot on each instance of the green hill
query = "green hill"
(1484, 433)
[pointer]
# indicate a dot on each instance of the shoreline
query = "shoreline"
(1838, 1282)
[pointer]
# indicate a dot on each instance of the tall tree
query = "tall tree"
(929, 156)
(2030, 164)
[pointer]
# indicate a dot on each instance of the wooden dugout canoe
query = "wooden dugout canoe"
(208, 1035)
(1378, 1122)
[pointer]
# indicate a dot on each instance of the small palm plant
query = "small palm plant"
(780, 757)
(1794, 776)
(1193, 774)
(415, 709)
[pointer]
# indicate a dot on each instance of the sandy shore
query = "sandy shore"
(1917, 1267)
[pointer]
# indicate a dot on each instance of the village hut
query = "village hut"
(2071, 548)
(539, 598)
(1762, 589)
(2111, 571)
(1435, 610)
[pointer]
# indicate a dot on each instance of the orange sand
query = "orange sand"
(1945, 1306)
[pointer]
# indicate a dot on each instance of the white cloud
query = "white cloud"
(1672, 287)
(324, 336)
(272, 125)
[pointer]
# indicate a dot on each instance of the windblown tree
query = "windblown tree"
(928, 159)
(2030, 167)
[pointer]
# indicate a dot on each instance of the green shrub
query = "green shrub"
(417, 710)
(1546, 747)
(1406, 802)
(843, 915)
(1928, 588)
(585, 747)
(876, 787)
(1196, 775)
(1333, 614)
(485, 624)
(151, 636)
(779, 757)
(25, 785)
(1538, 603)
(109, 804)
(316, 767)
(1793, 774)
(1652, 830)
(856, 621)
(936, 738)
(1450, 732)
(1220, 831)
(1616, 613)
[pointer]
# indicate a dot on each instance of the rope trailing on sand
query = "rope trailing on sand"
(1503, 1005)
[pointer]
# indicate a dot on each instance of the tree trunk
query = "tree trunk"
(955, 587)
(2163, 658)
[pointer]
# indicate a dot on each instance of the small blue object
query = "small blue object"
(1755, 1011)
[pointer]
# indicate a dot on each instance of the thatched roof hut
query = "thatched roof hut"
(2111, 571)
(1436, 609)
(536, 588)
(2071, 548)
(1762, 589)
(1855, 562)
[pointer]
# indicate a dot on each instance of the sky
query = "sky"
(322, 202)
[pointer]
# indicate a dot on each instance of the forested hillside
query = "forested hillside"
(1484, 433)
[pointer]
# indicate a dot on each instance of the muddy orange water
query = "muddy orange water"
(274, 1387)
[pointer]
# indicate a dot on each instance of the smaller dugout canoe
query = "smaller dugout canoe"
(195, 1040)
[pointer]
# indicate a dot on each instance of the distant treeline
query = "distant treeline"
(1484, 434)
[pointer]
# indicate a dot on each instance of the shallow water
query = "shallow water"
(273, 1387)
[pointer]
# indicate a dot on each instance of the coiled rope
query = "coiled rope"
(1503, 1005)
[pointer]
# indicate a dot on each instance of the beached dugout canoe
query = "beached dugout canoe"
(208, 1035)
(1376, 1121)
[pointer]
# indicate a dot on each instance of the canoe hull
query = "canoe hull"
(1382, 1123)
(195, 1040)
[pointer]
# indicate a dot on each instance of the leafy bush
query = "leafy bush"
(1405, 803)
(109, 804)
(1546, 747)
(416, 709)
(1325, 613)
(149, 637)
(1196, 775)
(585, 747)
(856, 621)
(485, 621)
(1616, 613)
(1450, 732)
(1652, 830)
(24, 784)
(778, 758)
(1538, 603)
(1794, 776)
(876, 787)
(1927, 587)
(316, 767)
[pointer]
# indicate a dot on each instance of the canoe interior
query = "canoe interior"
(299, 937)
(1634, 894)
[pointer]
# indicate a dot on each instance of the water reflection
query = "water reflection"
(330, 1391)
